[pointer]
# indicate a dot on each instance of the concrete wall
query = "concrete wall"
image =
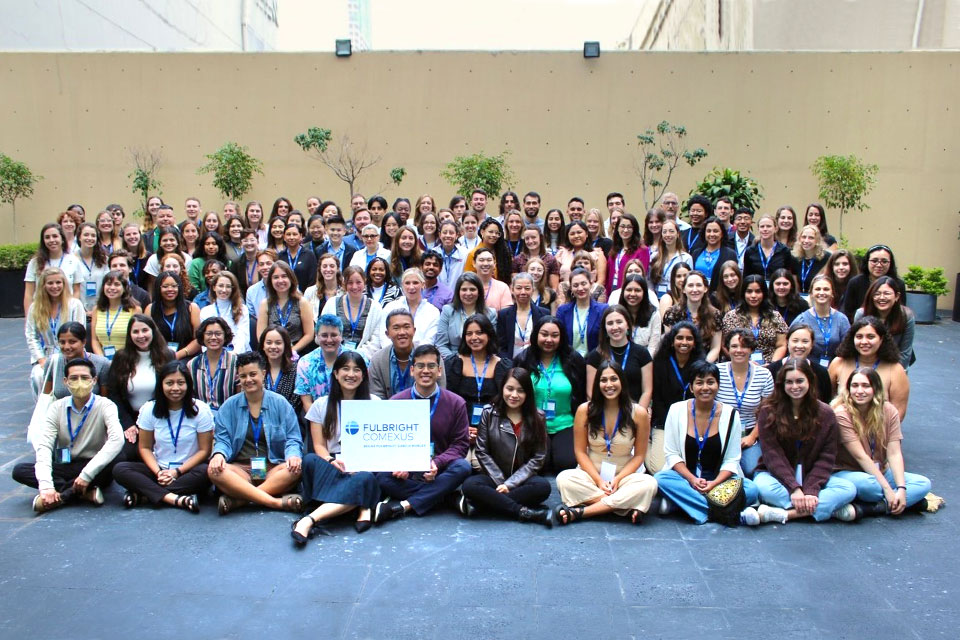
(569, 124)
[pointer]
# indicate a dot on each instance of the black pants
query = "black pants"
(481, 489)
(137, 477)
(560, 454)
(63, 474)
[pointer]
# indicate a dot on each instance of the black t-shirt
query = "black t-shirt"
(709, 458)
(638, 358)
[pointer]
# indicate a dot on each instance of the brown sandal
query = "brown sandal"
(292, 502)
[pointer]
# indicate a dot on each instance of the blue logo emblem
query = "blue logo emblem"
(353, 428)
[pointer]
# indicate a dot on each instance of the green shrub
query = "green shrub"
(926, 280)
(16, 256)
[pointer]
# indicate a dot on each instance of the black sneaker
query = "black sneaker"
(388, 510)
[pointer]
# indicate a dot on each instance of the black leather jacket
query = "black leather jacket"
(499, 453)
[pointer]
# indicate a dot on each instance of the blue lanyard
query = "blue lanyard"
(856, 364)
(83, 419)
(739, 397)
(216, 304)
(59, 264)
(479, 379)
(109, 326)
(250, 271)
(676, 370)
(805, 271)
(523, 334)
(765, 260)
(755, 328)
(256, 427)
(549, 375)
(55, 321)
(516, 249)
(827, 333)
(175, 437)
(434, 399)
(88, 266)
(137, 264)
(400, 379)
(701, 442)
(355, 323)
(740, 252)
(271, 385)
(212, 378)
(293, 259)
(692, 242)
(626, 356)
(608, 439)
(284, 316)
(171, 323)
(581, 326)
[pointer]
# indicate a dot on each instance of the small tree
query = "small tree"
(232, 169)
(16, 182)
(347, 161)
(657, 155)
(479, 171)
(742, 190)
(146, 165)
(844, 182)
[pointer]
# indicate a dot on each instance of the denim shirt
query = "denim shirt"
(281, 428)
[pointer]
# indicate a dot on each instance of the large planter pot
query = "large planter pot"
(11, 293)
(956, 300)
(923, 305)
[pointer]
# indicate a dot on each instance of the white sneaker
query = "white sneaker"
(749, 517)
(666, 506)
(846, 513)
(772, 514)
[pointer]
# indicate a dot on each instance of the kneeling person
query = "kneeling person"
(77, 444)
(449, 438)
(257, 445)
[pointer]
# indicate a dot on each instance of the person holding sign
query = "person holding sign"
(76, 446)
(800, 438)
(610, 436)
(511, 450)
(702, 449)
(257, 449)
(449, 440)
(329, 488)
(174, 466)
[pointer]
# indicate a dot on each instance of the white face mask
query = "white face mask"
(80, 388)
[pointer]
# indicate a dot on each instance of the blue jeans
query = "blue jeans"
(424, 496)
(869, 490)
(694, 504)
(835, 494)
(749, 458)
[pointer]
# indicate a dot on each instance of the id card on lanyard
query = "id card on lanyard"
(64, 455)
(258, 464)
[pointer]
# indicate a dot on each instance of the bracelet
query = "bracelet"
(902, 486)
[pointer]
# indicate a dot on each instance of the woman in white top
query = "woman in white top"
(168, 241)
(229, 305)
(669, 253)
(361, 315)
(635, 296)
(425, 315)
(52, 307)
(701, 446)
(176, 438)
(469, 224)
(51, 252)
(744, 384)
(93, 266)
(329, 488)
(329, 283)
(372, 248)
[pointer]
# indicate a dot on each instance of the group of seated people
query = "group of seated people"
(538, 354)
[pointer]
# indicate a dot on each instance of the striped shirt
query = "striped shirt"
(224, 378)
(760, 387)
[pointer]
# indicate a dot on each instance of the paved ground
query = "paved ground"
(87, 572)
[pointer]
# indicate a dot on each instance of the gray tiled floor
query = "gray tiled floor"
(103, 573)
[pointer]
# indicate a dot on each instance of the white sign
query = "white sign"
(390, 435)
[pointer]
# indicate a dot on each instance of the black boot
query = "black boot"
(919, 507)
(540, 516)
(871, 509)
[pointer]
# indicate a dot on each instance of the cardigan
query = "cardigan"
(450, 328)
(449, 432)
(675, 435)
(726, 254)
(817, 456)
(616, 264)
(506, 327)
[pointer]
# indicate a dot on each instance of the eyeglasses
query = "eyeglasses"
(217, 334)
(368, 236)
(884, 294)
(880, 261)
(429, 366)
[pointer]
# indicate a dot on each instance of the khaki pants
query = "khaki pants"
(636, 491)
(653, 461)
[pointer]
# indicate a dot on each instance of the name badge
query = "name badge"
(174, 465)
(800, 474)
(756, 356)
(475, 416)
(824, 362)
(431, 450)
(550, 409)
(258, 468)
(350, 346)
(63, 455)
(174, 346)
(608, 471)
(109, 351)
(90, 288)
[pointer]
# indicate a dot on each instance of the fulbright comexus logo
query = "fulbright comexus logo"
(383, 432)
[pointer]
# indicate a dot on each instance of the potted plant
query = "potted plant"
(13, 265)
(924, 286)
(743, 190)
